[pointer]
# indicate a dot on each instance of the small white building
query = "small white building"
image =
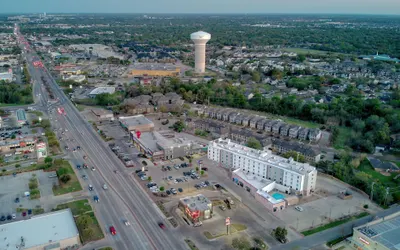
(101, 90)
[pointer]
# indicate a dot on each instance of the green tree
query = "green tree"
(254, 143)
(295, 155)
(65, 178)
(149, 178)
(62, 171)
(162, 188)
(48, 159)
(179, 126)
(202, 172)
(255, 76)
(301, 58)
(280, 234)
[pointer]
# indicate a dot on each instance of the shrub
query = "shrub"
(366, 206)
(65, 178)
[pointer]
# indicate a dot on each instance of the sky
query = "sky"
(202, 6)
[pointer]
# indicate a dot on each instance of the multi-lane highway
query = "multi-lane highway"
(124, 199)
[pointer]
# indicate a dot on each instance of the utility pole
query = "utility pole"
(387, 193)
(372, 191)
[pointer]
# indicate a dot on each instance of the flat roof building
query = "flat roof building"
(55, 230)
(21, 116)
(299, 178)
(102, 114)
(380, 234)
(163, 145)
(196, 208)
(101, 90)
(136, 123)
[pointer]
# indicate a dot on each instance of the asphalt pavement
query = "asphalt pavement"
(124, 199)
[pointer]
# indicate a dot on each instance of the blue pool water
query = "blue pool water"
(278, 196)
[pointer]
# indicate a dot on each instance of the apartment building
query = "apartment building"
(287, 175)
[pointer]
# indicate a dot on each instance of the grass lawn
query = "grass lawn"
(95, 226)
(80, 107)
(77, 207)
(344, 135)
(72, 185)
(366, 167)
(302, 123)
(333, 224)
(210, 236)
(238, 227)
(37, 113)
(310, 51)
(80, 208)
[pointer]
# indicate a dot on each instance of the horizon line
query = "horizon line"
(204, 13)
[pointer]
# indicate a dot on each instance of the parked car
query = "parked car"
(16, 200)
(204, 168)
(2, 218)
(298, 208)
(173, 191)
(223, 208)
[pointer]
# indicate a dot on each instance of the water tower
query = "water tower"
(200, 39)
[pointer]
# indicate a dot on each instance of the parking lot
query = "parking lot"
(12, 188)
(324, 206)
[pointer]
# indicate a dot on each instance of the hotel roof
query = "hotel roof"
(264, 156)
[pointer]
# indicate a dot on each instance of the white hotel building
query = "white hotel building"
(261, 172)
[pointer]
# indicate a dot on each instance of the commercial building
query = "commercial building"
(200, 39)
(155, 70)
(163, 145)
(102, 114)
(21, 116)
(136, 123)
(196, 208)
(55, 230)
(101, 90)
(380, 234)
(17, 144)
(289, 176)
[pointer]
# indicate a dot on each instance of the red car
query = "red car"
(112, 230)
(161, 225)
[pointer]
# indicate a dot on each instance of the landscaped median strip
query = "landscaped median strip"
(334, 224)
(191, 244)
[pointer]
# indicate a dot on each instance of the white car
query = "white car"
(14, 216)
(105, 187)
(127, 223)
(93, 169)
(300, 209)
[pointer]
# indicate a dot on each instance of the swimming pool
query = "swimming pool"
(278, 196)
